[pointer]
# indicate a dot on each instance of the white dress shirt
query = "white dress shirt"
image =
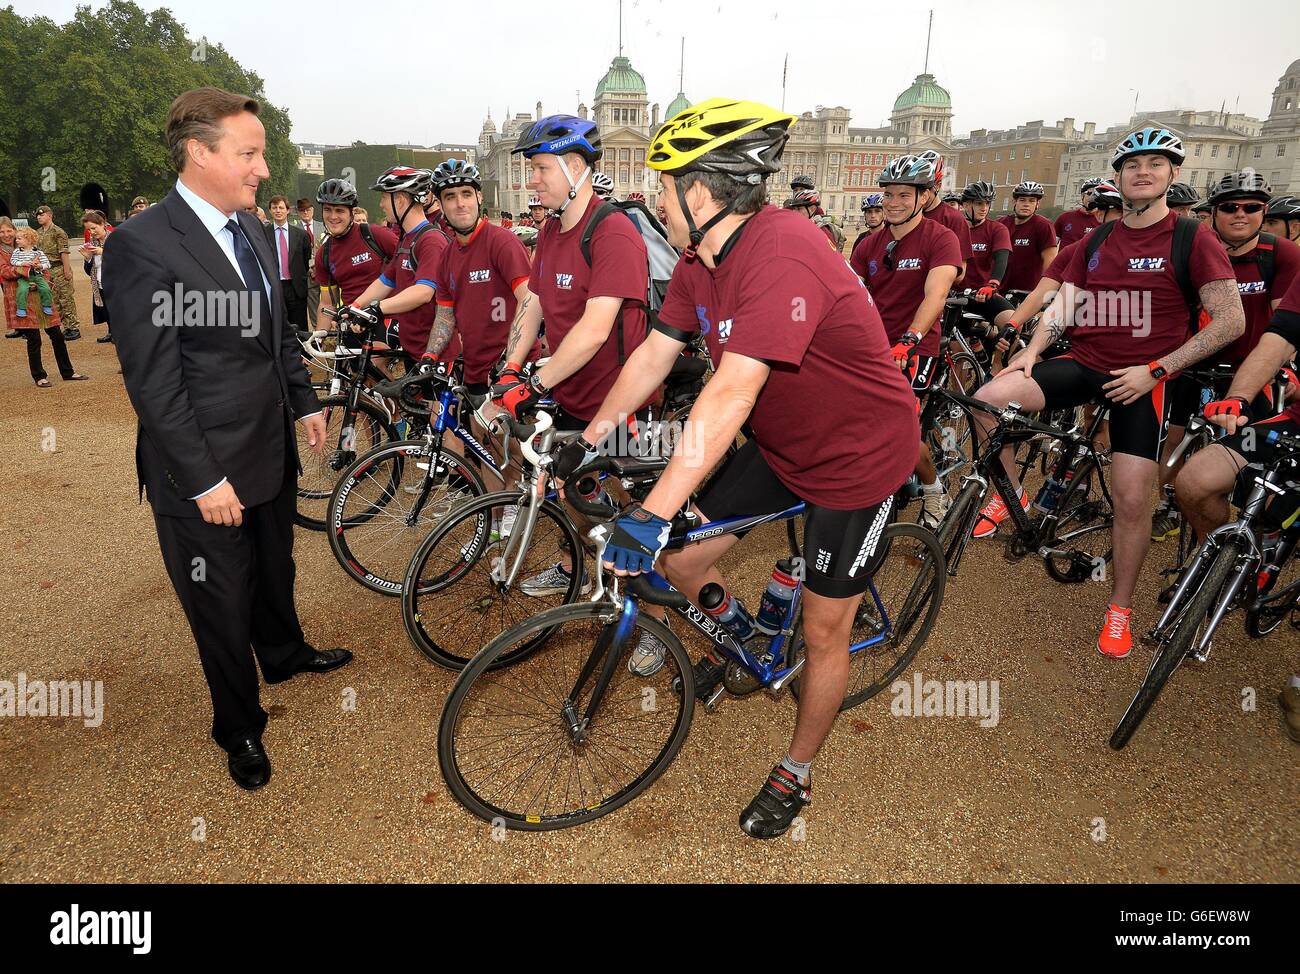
(214, 221)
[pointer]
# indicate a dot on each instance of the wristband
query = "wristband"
(910, 339)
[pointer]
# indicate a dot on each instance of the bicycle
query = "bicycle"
(1071, 532)
(1235, 566)
(567, 717)
(356, 420)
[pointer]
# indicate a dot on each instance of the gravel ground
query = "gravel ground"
(1206, 791)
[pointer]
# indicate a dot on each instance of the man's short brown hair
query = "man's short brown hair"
(278, 199)
(197, 114)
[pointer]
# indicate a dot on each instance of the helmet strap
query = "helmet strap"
(573, 186)
(920, 208)
(697, 233)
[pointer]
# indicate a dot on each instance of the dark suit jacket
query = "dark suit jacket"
(299, 257)
(214, 400)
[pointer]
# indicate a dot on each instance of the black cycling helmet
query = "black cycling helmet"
(1091, 183)
(951, 198)
(1180, 194)
(339, 192)
(802, 182)
(1283, 208)
(1028, 188)
(1244, 185)
(455, 172)
(981, 191)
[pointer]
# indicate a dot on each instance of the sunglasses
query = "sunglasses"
(1250, 208)
(889, 254)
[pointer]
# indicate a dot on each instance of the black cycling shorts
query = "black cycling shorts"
(1252, 443)
(1188, 397)
(842, 549)
(1137, 429)
(990, 309)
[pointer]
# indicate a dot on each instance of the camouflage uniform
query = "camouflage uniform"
(53, 242)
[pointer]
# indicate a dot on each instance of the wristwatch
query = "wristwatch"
(1158, 371)
(910, 339)
(535, 383)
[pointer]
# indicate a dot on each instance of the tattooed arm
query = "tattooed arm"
(523, 332)
(443, 325)
(1222, 302)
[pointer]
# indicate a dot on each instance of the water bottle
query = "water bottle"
(1049, 494)
(777, 598)
(727, 610)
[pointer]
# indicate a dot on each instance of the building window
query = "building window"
(984, 157)
(640, 156)
(1214, 151)
(622, 174)
(640, 175)
(1008, 175)
(624, 155)
(1281, 148)
(1012, 157)
(835, 158)
(1196, 150)
(997, 157)
(1027, 151)
(1259, 150)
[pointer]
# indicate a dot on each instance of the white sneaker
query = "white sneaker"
(508, 518)
(934, 505)
(647, 658)
(553, 581)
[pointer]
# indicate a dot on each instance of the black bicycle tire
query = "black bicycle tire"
(484, 661)
(1172, 653)
(375, 413)
(411, 621)
(347, 558)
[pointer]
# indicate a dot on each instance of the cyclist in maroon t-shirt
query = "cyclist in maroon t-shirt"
(950, 217)
(350, 259)
(1130, 334)
(1033, 239)
(991, 246)
(807, 203)
(1075, 224)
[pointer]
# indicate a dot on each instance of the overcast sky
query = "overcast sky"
(1004, 62)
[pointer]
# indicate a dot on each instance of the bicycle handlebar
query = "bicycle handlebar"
(640, 586)
(573, 495)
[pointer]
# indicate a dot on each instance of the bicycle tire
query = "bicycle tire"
(321, 473)
(485, 667)
(1084, 528)
(385, 573)
(451, 636)
(1170, 655)
(921, 596)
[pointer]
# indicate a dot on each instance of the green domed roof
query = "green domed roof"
(621, 76)
(924, 92)
(678, 104)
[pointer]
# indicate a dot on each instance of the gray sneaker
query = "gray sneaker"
(553, 581)
(647, 658)
(934, 505)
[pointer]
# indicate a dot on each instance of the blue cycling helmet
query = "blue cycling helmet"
(1149, 140)
(558, 134)
(873, 201)
(455, 172)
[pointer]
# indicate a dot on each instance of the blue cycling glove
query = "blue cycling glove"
(636, 541)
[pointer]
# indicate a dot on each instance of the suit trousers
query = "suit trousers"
(236, 587)
(295, 308)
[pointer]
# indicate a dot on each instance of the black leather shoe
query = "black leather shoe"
(321, 662)
(14, 334)
(71, 334)
(103, 339)
(249, 765)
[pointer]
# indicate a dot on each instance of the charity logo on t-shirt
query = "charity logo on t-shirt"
(480, 277)
(564, 281)
(1151, 265)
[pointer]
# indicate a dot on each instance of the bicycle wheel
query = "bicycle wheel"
(504, 741)
(1283, 597)
(896, 616)
(1082, 537)
(451, 602)
(320, 471)
(373, 526)
(1185, 634)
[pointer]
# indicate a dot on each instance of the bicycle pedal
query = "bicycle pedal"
(711, 704)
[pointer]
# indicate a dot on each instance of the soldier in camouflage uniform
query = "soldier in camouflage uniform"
(53, 242)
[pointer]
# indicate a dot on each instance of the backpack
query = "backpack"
(409, 247)
(1180, 254)
(660, 256)
(367, 237)
(1266, 257)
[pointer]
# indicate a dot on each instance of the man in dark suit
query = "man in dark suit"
(292, 249)
(217, 380)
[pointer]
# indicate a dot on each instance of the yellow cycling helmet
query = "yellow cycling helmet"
(740, 139)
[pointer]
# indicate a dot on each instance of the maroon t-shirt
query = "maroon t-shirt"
(413, 326)
(477, 280)
(1286, 322)
(1056, 269)
(1072, 226)
(1028, 241)
(836, 420)
(563, 282)
(1255, 301)
(352, 266)
(955, 221)
(985, 241)
(1143, 315)
(899, 291)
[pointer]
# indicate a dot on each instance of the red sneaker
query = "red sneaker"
(1115, 641)
(994, 513)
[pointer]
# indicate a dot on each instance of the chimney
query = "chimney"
(654, 117)
(582, 110)
(1067, 127)
(1089, 130)
(539, 110)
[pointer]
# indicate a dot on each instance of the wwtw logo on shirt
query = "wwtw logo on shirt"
(480, 277)
(724, 331)
(1147, 265)
(979, 246)
(1250, 287)
(564, 282)
(1022, 241)
(910, 264)
(359, 259)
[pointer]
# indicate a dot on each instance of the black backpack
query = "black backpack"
(1180, 254)
(367, 237)
(660, 257)
(408, 243)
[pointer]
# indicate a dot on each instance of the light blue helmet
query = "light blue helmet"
(908, 171)
(1149, 140)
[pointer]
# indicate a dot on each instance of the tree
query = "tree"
(106, 81)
